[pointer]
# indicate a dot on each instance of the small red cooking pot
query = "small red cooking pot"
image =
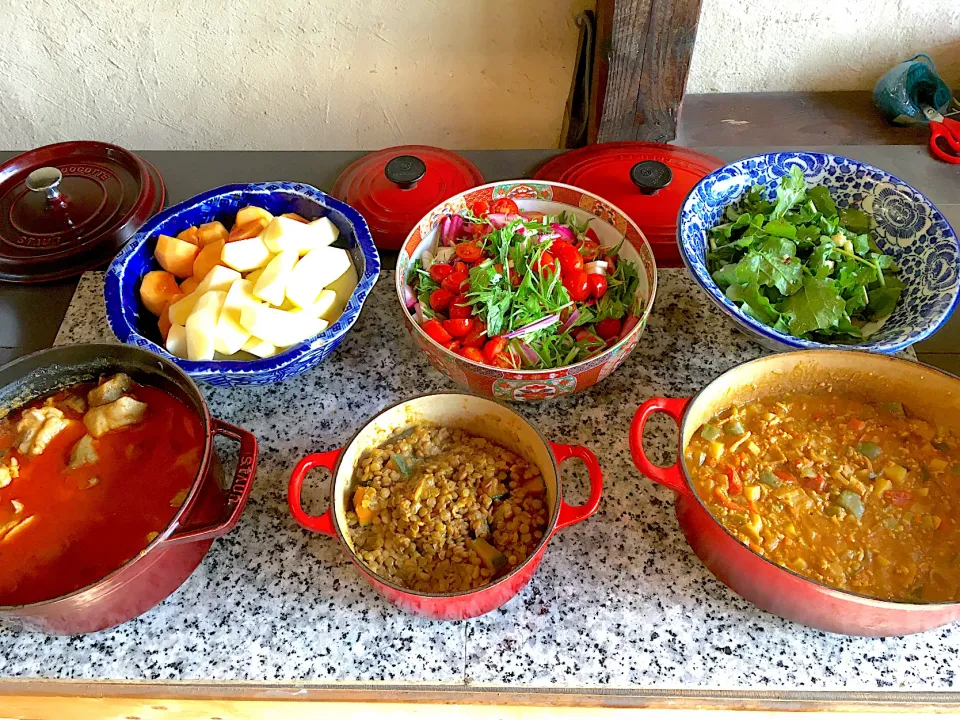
(478, 416)
(929, 393)
(208, 512)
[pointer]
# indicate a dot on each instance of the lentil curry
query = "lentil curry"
(861, 497)
(438, 510)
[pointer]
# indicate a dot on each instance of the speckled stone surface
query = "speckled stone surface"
(619, 600)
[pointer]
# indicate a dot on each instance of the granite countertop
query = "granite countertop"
(619, 600)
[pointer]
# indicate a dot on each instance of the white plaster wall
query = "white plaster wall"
(343, 74)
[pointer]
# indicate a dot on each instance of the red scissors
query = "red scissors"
(944, 136)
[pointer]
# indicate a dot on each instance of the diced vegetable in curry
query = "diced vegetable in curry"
(89, 476)
(858, 496)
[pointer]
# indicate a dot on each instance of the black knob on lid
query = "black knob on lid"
(405, 171)
(651, 176)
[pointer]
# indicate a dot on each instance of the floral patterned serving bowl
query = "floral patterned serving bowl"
(134, 325)
(906, 225)
(611, 226)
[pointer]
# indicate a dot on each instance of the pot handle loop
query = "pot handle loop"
(240, 488)
(671, 477)
(572, 514)
(318, 523)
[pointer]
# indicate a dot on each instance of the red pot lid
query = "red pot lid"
(395, 187)
(70, 207)
(648, 181)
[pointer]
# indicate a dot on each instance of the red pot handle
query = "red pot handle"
(572, 514)
(671, 477)
(239, 491)
(318, 523)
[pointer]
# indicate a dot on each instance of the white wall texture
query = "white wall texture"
(345, 74)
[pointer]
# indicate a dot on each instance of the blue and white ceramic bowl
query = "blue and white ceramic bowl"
(134, 325)
(906, 225)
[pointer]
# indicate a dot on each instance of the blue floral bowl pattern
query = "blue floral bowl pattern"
(134, 325)
(906, 225)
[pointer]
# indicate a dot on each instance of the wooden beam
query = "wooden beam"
(643, 51)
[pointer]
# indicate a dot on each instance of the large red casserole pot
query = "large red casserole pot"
(478, 416)
(208, 512)
(925, 391)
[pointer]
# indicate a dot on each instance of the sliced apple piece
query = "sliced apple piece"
(280, 327)
(343, 286)
(315, 271)
(175, 256)
(258, 347)
(245, 255)
(207, 259)
(177, 341)
(271, 285)
(251, 213)
(156, 289)
(211, 232)
(202, 325)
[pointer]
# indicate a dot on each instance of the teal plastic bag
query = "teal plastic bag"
(904, 87)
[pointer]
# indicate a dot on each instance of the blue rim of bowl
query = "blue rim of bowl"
(124, 326)
(713, 290)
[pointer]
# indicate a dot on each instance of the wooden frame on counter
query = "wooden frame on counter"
(80, 700)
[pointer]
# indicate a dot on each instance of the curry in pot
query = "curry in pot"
(89, 476)
(858, 496)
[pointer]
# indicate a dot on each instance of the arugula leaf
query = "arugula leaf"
(816, 306)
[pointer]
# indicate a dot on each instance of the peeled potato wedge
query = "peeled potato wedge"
(231, 335)
(323, 304)
(175, 256)
(315, 271)
(343, 286)
(272, 284)
(202, 325)
(189, 285)
(180, 310)
(251, 213)
(219, 278)
(190, 235)
(157, 289)
(328, 231)
(177, 341)
(240, 295)
(254, 276)
(211, 232)
(207, 259)
(245, 255)
(287, 234)
(280, 327)
(258, 347)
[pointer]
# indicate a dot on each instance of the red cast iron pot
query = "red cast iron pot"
(476, 415)
(208, 512)
(929, 393)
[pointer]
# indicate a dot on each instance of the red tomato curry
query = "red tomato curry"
(89, 476)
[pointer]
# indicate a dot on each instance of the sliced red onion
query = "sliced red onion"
(629, 323)
(597, 267)
(501, 220)
(451, 230)
(571, 319)
(529, 354)
(564, 232)
(418, 313)
(541, 324)
(409, 298)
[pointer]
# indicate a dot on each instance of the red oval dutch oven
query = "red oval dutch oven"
(929, 393)
(208, 512)
(478, 416)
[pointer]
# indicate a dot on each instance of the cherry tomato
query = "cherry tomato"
(584, 334)
(477, 229)
(545, 262)
(460, 266)
(453, 346)
(503, 361)
(455, 282)
(591, 235)
(589, 250)
(472, 353)
(480, 208)
(504, 206)
(460, 309)
(598, 284)
(578, 288)
(568, 256)
(477, 336)
(493, 348)
(438, 271)
(440, 299)
(608, 328)
(435, 331)
(459, 327)
(469, 252)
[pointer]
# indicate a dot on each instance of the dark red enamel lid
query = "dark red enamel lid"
(69, 207)
(648, 181)
(395, 187)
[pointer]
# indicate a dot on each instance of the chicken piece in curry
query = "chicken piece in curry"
(89, 476)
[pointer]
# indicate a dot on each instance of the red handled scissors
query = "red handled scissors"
(944, 135)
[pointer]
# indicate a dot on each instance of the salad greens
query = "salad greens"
(802, 265)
